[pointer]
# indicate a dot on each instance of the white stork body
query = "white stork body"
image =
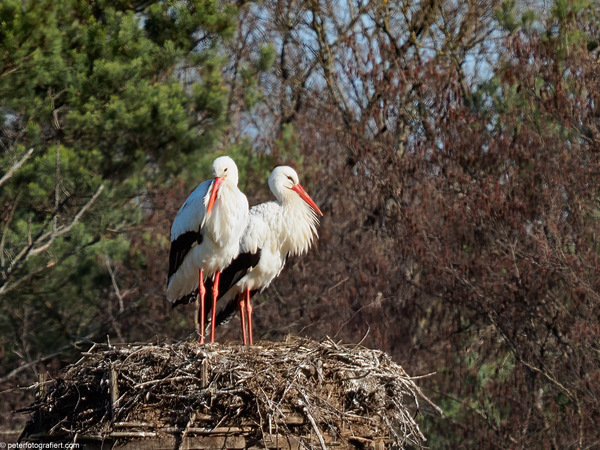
(205, 235)
(275, 230)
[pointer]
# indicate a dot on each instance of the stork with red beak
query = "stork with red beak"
(276, 230)
(205, 238)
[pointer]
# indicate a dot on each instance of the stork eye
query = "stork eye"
(225, 170)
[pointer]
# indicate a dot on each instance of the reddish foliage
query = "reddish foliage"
(464, 241)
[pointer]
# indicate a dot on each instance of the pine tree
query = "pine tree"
(99, 102)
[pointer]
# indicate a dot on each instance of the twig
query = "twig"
(6, 287)
(378, 300)
(364, 337)
(9, 219)
(314, 425)
(31, 249)
(21, 368)
(16, 166)
(169, 378)
(52, 235)
(114, 283)
(56, 189)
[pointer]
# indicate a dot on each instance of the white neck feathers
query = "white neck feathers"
(299, 225)
(227, 220)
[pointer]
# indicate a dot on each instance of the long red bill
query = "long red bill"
(304, 196)
(213, 194)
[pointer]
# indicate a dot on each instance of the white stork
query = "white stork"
(205, 238)
(276, 230)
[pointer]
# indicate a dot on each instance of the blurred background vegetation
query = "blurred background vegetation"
(454, 148)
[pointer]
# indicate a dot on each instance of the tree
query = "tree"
(100, 103)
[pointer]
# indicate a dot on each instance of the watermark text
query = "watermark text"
(40, 445)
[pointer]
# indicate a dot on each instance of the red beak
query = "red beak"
(213, 194)
(304, 196)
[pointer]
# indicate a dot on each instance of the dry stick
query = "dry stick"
(204, 373)
(312, 420)
(315, 427)
(261, 426)
(114, 388)
(364, 337)
(189, 424)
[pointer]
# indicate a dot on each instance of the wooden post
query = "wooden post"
(204, 373)
(41, 387)
(379, 445)
(114, 388)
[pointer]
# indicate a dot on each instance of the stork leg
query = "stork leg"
(200, 298)
(215, 295)
(249, 310)
(242, 304)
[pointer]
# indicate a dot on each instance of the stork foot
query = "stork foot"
(242, 305)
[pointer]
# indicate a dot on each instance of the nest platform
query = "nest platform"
(296, 394)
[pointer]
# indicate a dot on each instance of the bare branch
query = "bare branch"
(35, 246)
(64, 229)
(56, 189)
(327, 64)
(114, 283)
(6, 226)
(7, 287)
(16, 166)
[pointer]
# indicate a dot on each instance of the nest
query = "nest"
(293, 394)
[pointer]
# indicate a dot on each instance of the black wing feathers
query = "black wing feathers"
(235, 271)
(180, 247)
(229, 277)
(189, 298)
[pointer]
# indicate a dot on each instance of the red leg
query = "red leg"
(197, 317)
(202, 294)
(215, 294)
(249, 310)
(243, 318)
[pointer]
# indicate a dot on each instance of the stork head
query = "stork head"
(224, 170)
(284, 183)
(224, 167)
